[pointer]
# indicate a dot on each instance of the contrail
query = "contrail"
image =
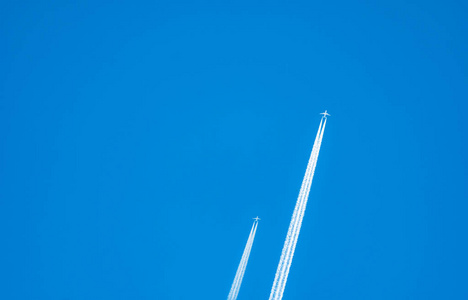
(296, 220)
(293, 232)
(243, 263)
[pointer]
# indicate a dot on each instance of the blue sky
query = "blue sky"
(139, 139)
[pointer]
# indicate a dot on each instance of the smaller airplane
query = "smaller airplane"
(256, 219)
(325, 114)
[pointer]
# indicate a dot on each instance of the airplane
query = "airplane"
(256, 219)
(325, 114)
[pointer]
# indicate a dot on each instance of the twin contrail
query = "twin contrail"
(296, 221)
(243, 263)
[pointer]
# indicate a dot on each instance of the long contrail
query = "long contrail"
(236, 284)
(296, 220)
(243, 264)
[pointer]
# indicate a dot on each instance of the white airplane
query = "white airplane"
(325, 114)
(256, 219)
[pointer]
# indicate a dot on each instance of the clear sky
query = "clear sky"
(138, 139)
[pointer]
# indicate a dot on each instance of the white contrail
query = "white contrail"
(293, 225)
(293, 232)
(239, 282)
(235, 284)
(296, 221)
(243, 264)
(301, 212)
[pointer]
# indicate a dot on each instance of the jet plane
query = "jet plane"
(325, 114)
(256, 219)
